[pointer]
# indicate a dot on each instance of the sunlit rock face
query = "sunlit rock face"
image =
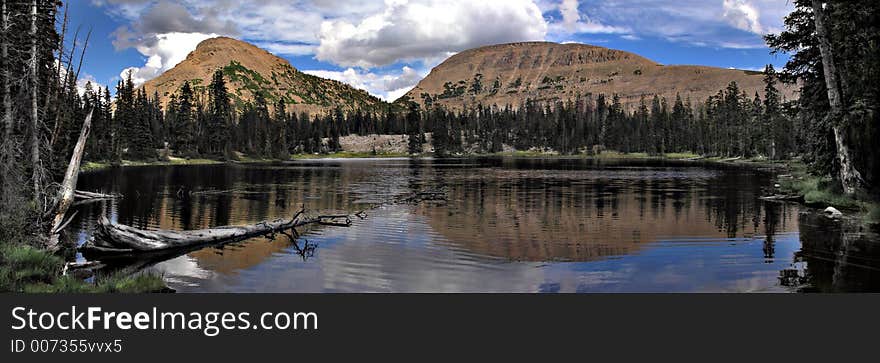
(509, 74)
(248, 69)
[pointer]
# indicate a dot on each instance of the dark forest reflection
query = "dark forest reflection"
(839, 257)
(509, 224)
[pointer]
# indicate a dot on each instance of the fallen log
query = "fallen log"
(82, 270)
(112, 238)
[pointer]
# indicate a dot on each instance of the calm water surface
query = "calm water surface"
(509, 225)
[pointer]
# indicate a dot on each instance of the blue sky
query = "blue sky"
(386, 47)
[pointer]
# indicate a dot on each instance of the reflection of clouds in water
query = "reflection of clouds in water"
(406, 259)
(183, 270)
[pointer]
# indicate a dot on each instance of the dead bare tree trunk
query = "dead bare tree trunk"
(850, 178)
(67, 193)
(35, 111)
(7, 98)
(51, 100)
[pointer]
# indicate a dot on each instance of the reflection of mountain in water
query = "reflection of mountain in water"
(544, 215)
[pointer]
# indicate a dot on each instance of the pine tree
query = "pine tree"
(414, 129)
(140, 143)
(183, 129)
(280, 149)
(219, 118)
(440, 132)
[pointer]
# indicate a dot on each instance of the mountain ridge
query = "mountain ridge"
(508, 74)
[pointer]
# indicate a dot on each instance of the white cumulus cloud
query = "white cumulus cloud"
(574, 22)
(389, 86)
(163, 52)
(742, 15)
(424, 30)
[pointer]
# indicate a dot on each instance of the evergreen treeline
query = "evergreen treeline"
(40, 108)
(727, 124)
(208, 125)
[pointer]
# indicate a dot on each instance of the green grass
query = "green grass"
(250, 160)
(682, 155)
(94, 165)
(22, 265)
(820, 191)
(348, 155)
(27, 269)
(608, 154)
(611, 154)
(525, 153)
(873, 214)
(131, 284)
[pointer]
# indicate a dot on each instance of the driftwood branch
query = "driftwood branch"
(82, 194)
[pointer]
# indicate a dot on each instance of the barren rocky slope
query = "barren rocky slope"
(508, 74)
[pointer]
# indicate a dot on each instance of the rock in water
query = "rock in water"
(833, 213)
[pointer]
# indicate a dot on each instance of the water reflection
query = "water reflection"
(837, 256)
(509, 224)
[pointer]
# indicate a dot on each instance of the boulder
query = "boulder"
(833, 213)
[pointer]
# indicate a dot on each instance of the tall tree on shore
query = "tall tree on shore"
(836, 63)
(414, 129)
(35, 111)
(280, 149)
(183, 129)
(219, 118)
(7, 96)
(850, 177)
(772, 126)
(440, 132)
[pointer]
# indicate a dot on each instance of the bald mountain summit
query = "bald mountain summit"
(249, 70)
(509, 74)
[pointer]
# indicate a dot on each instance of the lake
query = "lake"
(507, 225)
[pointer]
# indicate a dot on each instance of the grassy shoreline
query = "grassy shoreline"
(27, 269)
(347, 155)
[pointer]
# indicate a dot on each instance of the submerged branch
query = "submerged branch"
(84, 195)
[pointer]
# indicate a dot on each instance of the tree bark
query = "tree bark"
(850, 178)
(7, 98)
(67, 193)
(35, 122)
